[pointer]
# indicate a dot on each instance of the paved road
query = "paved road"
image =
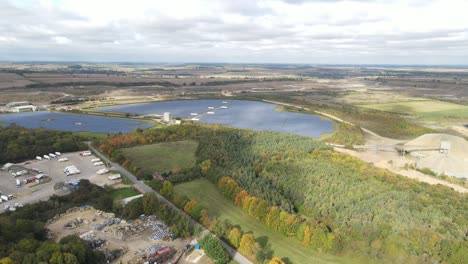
(145, 188)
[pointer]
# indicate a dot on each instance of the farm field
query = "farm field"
(163, 157)
(415, 107)
(452, 114)
(123, 193)
(217, 205)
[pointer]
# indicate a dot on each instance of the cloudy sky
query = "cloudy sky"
(270, 31)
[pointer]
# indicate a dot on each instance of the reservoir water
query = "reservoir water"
(236, 113)
(73, 122)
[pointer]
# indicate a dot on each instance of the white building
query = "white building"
(23, 108)
(15, 104)
(167, 117)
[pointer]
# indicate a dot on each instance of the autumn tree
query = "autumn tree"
(248, 246)
(234, 237)
(193, 208)
(205, 166)
(6, 261)
(276, 260)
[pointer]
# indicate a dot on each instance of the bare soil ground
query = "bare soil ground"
(195, 257)
(11, 80)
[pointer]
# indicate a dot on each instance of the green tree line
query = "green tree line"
(18, 143)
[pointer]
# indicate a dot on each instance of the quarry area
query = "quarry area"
(421, 158)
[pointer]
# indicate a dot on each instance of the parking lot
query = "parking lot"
(33, 192)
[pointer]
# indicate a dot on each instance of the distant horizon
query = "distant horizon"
(225, 63)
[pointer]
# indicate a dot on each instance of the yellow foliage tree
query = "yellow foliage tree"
(276, 260)
(248, 246)
(6, 261)
(234, 237)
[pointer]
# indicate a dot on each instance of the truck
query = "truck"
(85, 153)
(114, 177)
(36, 170)
(95, 160)
(73, 172)
(19, 173)
(63, 159)
(100, 163)
(102, 171)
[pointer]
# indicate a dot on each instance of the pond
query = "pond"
(73, 122)
(236, 113)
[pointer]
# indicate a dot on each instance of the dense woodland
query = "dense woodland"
(18, 143)
(329, 201)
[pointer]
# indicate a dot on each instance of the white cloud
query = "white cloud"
(61, 40)
(303, 31)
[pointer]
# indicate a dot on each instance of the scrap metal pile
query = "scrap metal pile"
(113, 221)
(123, 232)
(92, 240)
(77, 222)
(161, 231)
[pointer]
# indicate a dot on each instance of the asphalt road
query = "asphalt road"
(145, 188)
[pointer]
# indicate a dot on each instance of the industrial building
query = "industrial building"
(167, 117)
(23, 106)
(441, 153)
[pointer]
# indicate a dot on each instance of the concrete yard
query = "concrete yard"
(30, 193)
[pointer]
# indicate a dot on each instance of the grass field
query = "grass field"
(91, 135)
(452, 114)
(163, 157)
(122, 193)
(217, 205)
(420, 106)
